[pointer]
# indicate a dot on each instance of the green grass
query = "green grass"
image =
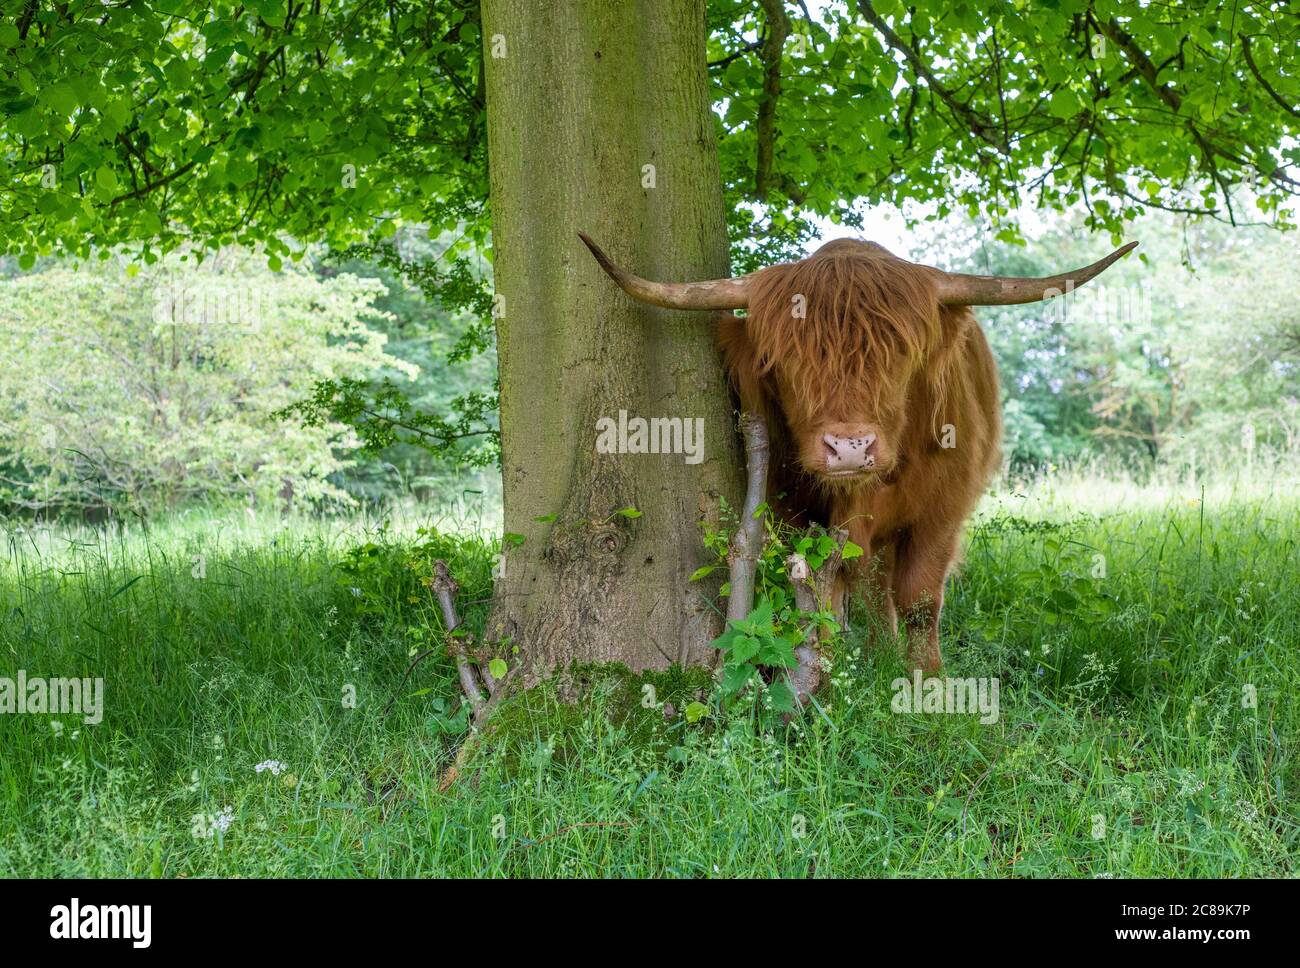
(1121, 698)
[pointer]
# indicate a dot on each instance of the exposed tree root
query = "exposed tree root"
(476, 732)
(460, 649)
(445, 588)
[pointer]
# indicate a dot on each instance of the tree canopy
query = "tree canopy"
(154, 123)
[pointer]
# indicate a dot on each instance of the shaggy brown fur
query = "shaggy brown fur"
(852, 338)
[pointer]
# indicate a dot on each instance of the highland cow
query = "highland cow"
(881, 397)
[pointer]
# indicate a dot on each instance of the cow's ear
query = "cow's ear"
(957, 330)
(955, 323)
(744, 369)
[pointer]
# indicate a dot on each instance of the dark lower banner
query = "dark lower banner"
(335, 918)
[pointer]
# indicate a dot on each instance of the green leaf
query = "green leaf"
(742, 648)
(759, 620)
(851, 551)
(61, 98)
(696, 711)
(699, 573)
(628, 512)
(498, 668)
(735, 677)
(782, 696)
(729, 635)
(777, 652)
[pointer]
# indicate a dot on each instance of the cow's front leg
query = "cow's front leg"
(921, 564)
(849, 577)
(868, 575)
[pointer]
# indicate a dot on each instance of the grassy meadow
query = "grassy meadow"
(1146, 639)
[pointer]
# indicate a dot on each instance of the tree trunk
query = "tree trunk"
(582, 96)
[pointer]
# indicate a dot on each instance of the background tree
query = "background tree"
(1174, 362)
(453, 396)
(140, 391)
(279, 123)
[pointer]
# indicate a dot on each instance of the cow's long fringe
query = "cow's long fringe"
(852, 324)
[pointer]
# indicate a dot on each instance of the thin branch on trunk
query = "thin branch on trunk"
(747, 543)
(489, 680)
(812, 593)
(471, 744)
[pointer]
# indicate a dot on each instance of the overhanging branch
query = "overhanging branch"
(1263, 82)
(778, 29)
(981, 127)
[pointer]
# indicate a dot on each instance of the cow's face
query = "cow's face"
(848, 440)
(842, 335)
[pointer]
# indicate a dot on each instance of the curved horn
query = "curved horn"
(957, 289)
(712, 294)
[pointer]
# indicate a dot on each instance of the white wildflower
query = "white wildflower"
(224, 819)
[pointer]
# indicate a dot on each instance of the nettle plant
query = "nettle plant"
(759, 651)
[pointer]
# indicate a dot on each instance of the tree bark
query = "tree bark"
(582, 97)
